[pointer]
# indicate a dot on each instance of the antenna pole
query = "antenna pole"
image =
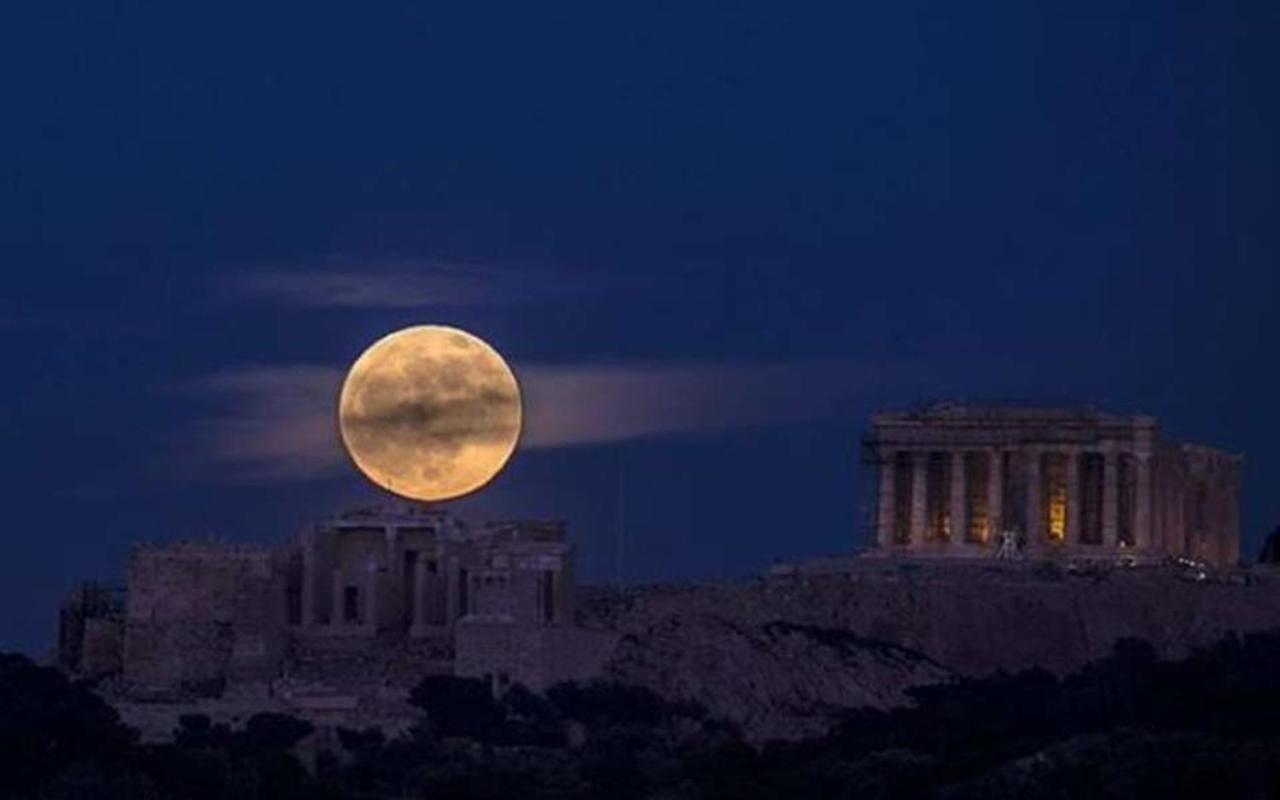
(621, 521)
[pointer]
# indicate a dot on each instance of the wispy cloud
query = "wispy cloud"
(271, 423)
(608, 403)
(278, 423)
(411, 284)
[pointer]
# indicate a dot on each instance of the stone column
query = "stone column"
(391, 557)
(918, 478)
(995, 494)
(450, 590)
(1073, 498)
(1035, 518)
(884, 523)
(371, 596)
(1142, 505)
(959, 521)
(1110, 498)
(308, 581)
(418, 611)
(336, 617)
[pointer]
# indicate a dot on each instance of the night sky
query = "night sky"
(711, 238)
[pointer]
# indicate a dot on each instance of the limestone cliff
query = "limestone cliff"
(773, 654)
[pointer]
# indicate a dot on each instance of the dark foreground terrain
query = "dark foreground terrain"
(1128, 725)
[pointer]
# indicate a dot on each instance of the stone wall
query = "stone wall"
(172, 658)
(200, 615)
(1212, 517)
(91, 630)
(102, 646)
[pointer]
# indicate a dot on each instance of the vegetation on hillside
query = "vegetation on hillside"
(1129, 725)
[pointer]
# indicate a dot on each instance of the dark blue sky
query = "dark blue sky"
(713, 236)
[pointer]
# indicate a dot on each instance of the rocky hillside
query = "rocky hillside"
(769, 653)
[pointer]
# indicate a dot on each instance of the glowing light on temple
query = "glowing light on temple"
(1058, 513)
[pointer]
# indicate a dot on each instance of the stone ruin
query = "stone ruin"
(959, 480)
(90, 630)
(360, 606)
(1119, 531)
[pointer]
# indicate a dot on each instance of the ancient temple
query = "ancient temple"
(970, 480)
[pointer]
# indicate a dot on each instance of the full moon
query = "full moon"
(430, 413)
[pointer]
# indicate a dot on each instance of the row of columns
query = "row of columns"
(376, 586)
(1141, 511)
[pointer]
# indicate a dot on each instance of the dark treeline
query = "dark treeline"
(1129, 725)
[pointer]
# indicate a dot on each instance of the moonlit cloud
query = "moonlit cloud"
(272, 423)
(279, 422)
(409, 284)
(584, 405)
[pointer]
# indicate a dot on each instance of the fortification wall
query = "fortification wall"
(177, 657)
(91, 630)
(102, 647)
(202, 614)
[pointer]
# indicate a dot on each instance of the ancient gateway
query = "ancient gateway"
(361, 603)
(966, 480)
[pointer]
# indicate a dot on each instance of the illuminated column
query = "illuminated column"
(995, 494)
(918, 479)
(958, 521)
(884, 523)
(1142, 510)
(1035, 522)
(1110, 498)
(1073, 498)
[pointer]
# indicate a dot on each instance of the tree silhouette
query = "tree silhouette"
(49, 724)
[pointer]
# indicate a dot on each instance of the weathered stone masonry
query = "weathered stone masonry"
(370, 599)
(952, 479)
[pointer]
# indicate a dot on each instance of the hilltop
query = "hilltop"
(778, 655)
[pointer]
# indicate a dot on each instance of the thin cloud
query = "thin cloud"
(411, 285)
(278, 423)
(274, 423)
(568, 406)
